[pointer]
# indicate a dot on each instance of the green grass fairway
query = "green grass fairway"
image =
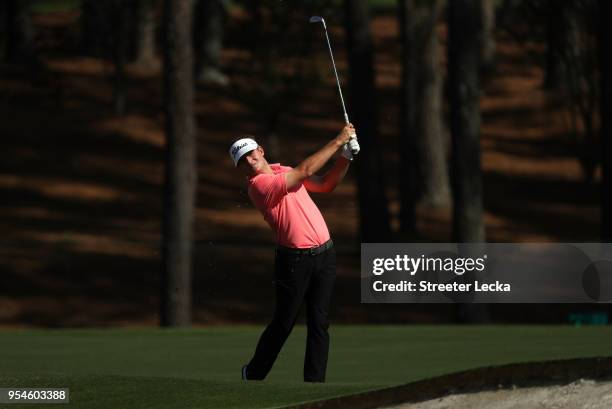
(200, 368)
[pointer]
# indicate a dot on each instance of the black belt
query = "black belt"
(313, 251)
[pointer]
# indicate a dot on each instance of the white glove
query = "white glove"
(350, 148)
(354, 145)
(346, 152)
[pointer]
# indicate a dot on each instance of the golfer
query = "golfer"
(305, 262)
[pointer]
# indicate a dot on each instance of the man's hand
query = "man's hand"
(351, 147)
(346, 153)
(345, 135)
(354, 145)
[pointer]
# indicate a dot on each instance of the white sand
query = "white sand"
(582, 394)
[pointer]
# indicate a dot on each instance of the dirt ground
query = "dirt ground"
(82, 187)
(582, 394)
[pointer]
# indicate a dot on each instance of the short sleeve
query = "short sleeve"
(267, 190)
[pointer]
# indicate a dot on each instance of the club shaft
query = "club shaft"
(331, 54)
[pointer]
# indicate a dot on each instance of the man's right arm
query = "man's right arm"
(313, 163)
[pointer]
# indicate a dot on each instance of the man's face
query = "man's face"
(253, 162)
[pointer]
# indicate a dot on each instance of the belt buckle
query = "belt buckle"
(311, 251)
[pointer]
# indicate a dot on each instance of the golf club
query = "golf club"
(319, 19)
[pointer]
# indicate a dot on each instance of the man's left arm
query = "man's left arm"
(334, 176)
(330, 179)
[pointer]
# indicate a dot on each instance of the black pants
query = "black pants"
(299, 277)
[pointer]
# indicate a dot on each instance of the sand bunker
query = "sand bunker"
(581, 394)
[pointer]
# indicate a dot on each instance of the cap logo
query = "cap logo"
(238, 147)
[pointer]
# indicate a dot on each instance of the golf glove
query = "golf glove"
(350, 148)
(354, 145)
(346, 152)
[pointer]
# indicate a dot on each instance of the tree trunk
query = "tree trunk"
(3, 30)
(374, 213)
(605, 57)
(463, 64)
(208, 37)
(464, 61)
(487, 51)
(180, 170)
(555, 32)
(19, 44)
(430, 143)
(144, 32)
(95, 27)
(120, 18)
(408, 106)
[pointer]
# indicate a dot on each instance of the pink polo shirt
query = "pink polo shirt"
(294, 217)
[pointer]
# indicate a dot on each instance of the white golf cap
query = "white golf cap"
(242, 147)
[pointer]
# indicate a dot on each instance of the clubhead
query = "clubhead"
(318, 19)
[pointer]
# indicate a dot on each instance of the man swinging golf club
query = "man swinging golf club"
(305, 261)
